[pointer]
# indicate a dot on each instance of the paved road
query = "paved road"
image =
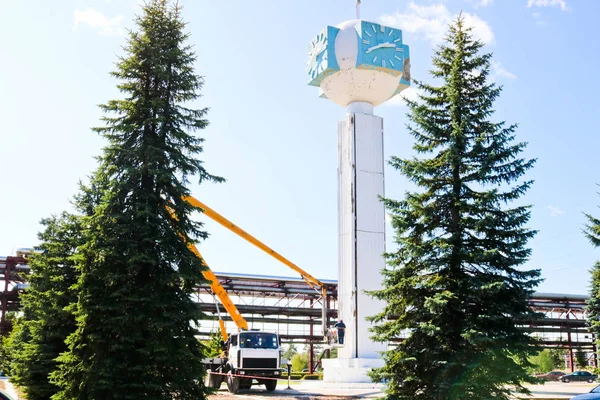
(338, 391)
(558, 390)
(306, 390)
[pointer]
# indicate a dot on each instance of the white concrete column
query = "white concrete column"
(361, 218)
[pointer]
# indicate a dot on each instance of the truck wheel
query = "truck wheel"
(212, 380)
(233, 383)
(271, 384)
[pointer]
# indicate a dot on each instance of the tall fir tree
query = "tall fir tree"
(593, 303)
(453, 289)
(135, 312)
(592, 230)
(592, 233)
(8, 343)
(47, 320)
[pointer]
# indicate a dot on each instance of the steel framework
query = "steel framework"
(293, 309)
(288, 306)
(14, 272)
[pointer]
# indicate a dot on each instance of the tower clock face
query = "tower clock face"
(317, 55)
(381, 46)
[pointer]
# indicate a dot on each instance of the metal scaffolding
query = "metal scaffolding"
(281, 304)
(291, 308)
(563, 325)
(14, 273)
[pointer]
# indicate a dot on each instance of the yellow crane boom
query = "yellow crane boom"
(220, 291)
(224, 298)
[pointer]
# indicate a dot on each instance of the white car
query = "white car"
(593, 395)
(5, 396)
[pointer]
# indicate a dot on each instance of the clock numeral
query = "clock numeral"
(382, 29)
(391, 62)
(374, 30)
(367, 33)
(366, 42)
(390, 34)
(399, 49)
(397, 40)
(397, 58)
(374, 59)
(383, 63)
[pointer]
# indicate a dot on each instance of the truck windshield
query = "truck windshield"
(258, 340)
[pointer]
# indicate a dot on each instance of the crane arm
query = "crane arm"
(219, 291)
(224, 298)
(212, 214)
(308, 278)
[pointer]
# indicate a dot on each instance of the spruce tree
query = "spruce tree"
(135, 312)
(39, 338)
(593, 303)
(581, 359)
(453, 289)
(8, 343)
(214, 344)
(592, 230)
(592, 233)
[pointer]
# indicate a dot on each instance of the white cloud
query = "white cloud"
(548, 3)
(555, 211)
(539, 21)
(501, 72)
(431, 22)
(95, 19)
(478, 3)
(409, 93)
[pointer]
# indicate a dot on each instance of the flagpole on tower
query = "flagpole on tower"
(357, 9)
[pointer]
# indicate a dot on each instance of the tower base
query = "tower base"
(350, 370)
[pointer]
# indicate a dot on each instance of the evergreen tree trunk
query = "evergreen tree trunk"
(39, 338)
(454, 290)
(135, 313)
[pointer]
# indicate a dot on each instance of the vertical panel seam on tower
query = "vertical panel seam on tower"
(355, 194)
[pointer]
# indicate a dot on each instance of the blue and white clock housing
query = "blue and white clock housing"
(381, 48)
(359, 61)
(321, 56)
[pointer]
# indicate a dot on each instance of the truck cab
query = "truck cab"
(253, 357)
(254, 354)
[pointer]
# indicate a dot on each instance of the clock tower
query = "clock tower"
(359, 65)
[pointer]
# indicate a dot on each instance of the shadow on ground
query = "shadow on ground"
(290, 394)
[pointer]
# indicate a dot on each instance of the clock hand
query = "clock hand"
(317, 50)
(379, 46)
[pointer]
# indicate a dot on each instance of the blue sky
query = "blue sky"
(270, 135)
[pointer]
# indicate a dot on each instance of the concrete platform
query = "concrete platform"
(350, 370)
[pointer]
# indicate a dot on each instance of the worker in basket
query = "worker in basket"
(341, 328)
